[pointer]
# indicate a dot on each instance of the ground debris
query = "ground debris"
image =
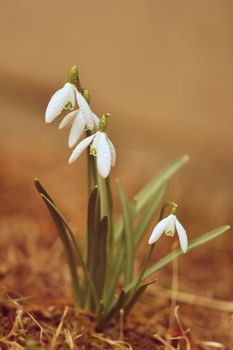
(37, 310)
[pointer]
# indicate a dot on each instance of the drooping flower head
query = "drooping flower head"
(65, 98)
(78, 123)
(100, 146)
(169, 225)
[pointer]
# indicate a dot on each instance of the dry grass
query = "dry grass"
(34, 267)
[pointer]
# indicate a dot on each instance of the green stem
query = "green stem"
(150, 251)
(128, 234)
(89, 173)
(89, 167)
(141, 275)
(102, 192)
(94, 170)
(110, 212)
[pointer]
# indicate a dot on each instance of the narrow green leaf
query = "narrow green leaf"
(148, 216)
(67, 246)
(42, 190)
(66, 226)
(148, 191)
(132, 300)
(78, 251)
(100, 312)
(192, 245)
(128, 233)
(110, 214)
(138, 233)
(144, 196)
(102, 192)
(113, 275)
(101, 256)
(93, 222)
(112, 313)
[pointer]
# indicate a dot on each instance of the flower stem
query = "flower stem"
(110, 211)
(89, 172)
(91, 169)
(141, 275)
(150, 251)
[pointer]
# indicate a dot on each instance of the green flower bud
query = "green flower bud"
(103, 124)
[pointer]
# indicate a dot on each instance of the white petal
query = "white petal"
(113, 152)
(96, 120)
(171, 225)
(70, 94)
(58, 102)
(68, 119)
(56, 105)
(86, 111)
(158, 230)
(80, 148)
(182, 236)
(77, 130)
(103, 155)
(95, 143)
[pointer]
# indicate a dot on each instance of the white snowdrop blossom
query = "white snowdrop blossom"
(76, 119)
(65, 98)
(169, 225)
(100, 146)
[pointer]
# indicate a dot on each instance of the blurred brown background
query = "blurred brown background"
(163, 69)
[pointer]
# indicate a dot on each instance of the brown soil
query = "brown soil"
(34, 267)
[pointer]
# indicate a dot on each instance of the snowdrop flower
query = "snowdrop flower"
(169, 225)
(101, 147)
(78, 122)
(65, 98)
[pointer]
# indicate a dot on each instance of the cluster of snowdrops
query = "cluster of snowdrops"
(107, 283)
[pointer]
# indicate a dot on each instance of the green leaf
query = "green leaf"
(144, 196)
(93, 222)
(63, 222)
(124, 300)
(110, 214)
(42, 190)
(128, 234)
(138, 233)
(169, 258)
(132, 300)
(67, 246)
(112, 313)
(103, 202)
(113, 275)
(78, 251)
(101, 256)
(149, 214)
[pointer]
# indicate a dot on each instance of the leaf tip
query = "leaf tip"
(36, 181)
